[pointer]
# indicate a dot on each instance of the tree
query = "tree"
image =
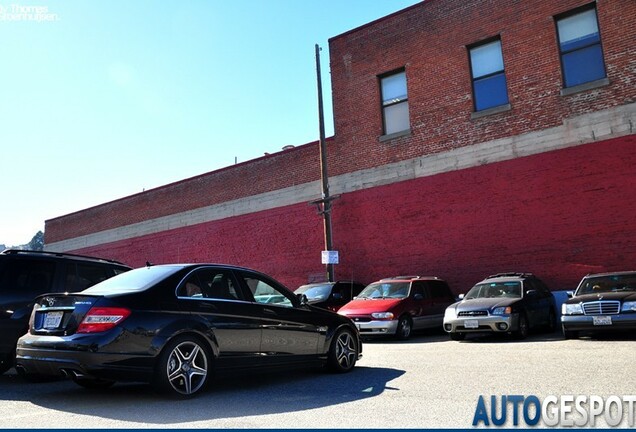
(37, 242)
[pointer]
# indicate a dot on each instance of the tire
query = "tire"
(93, 384)
(552, 322)
(457, 336)
(7, 363)
(569, 334)
(343, 352)
(404, 328)
(523, 329)
(183, 368)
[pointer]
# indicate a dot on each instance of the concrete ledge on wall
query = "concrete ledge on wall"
(587, 128)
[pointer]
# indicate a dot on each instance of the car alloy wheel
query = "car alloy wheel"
(183, 367)
(344, 352)
(404, 328)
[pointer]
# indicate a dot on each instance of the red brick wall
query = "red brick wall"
(269, 173)
(429, 40)
(559, 214)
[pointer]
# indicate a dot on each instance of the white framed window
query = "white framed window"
(395, 105)
(488, 75)
(580, 47)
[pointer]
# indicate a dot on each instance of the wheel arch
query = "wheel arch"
(183, 328)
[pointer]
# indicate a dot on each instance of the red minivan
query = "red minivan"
(397, 306)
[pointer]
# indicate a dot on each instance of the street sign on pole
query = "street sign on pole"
(330, 257)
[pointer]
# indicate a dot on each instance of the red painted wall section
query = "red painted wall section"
(560, 214)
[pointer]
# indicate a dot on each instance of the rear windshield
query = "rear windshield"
(133, 281)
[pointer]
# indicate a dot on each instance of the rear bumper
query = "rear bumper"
(82, 362)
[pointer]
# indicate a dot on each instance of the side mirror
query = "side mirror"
(570, 294)
(418, 297)
(531, 293)
(303, 299)
(461, 296)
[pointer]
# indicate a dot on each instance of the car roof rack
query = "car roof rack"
(409, 277)
(57, 254)
(510, 274)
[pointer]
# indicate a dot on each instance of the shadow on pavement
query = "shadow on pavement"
(227, 397)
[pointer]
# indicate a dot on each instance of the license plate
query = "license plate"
(471, 324)
(52, 320)
(602, 320)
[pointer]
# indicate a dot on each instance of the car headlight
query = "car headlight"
(383, 315)
(450, 313)
(571, 309)
(502, 311)
(629, 306)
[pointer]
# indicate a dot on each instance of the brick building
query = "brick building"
(471, 137)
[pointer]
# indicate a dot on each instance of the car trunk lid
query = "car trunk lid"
(60, 314)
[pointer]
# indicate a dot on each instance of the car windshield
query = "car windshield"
(315, 292)
(495, 290)
(608, 283)
(379, 290)
(135, 280)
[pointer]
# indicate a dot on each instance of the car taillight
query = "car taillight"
(99, 319)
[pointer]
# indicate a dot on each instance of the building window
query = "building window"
(488, 75)
(580, 47)
(395, 105)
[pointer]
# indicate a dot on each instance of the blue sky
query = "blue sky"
(103, 99)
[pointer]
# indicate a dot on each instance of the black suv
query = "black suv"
(25, 275)
(330, 295)
(502, 303)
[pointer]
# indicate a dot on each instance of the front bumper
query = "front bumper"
(625, 321)
(376, 327)
(489, 323)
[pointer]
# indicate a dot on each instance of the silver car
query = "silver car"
(502, 303)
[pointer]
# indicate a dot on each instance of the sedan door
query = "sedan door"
(214, 295)
(290, 332)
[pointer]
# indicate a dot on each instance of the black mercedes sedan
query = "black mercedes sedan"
(174, 325)
(601, 302)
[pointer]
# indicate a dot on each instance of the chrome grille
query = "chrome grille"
(601, 307)
(472, 313)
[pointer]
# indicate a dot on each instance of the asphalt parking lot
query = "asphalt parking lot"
(426, 382)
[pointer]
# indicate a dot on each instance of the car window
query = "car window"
(495, 290)
(26, 278)
(607, 283)
(266, 293)
(210, 283)
(83, 275)
(439, 290)
(419, 288)
(380, 290)
(315, 292)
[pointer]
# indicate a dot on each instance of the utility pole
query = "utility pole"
(326, 198)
